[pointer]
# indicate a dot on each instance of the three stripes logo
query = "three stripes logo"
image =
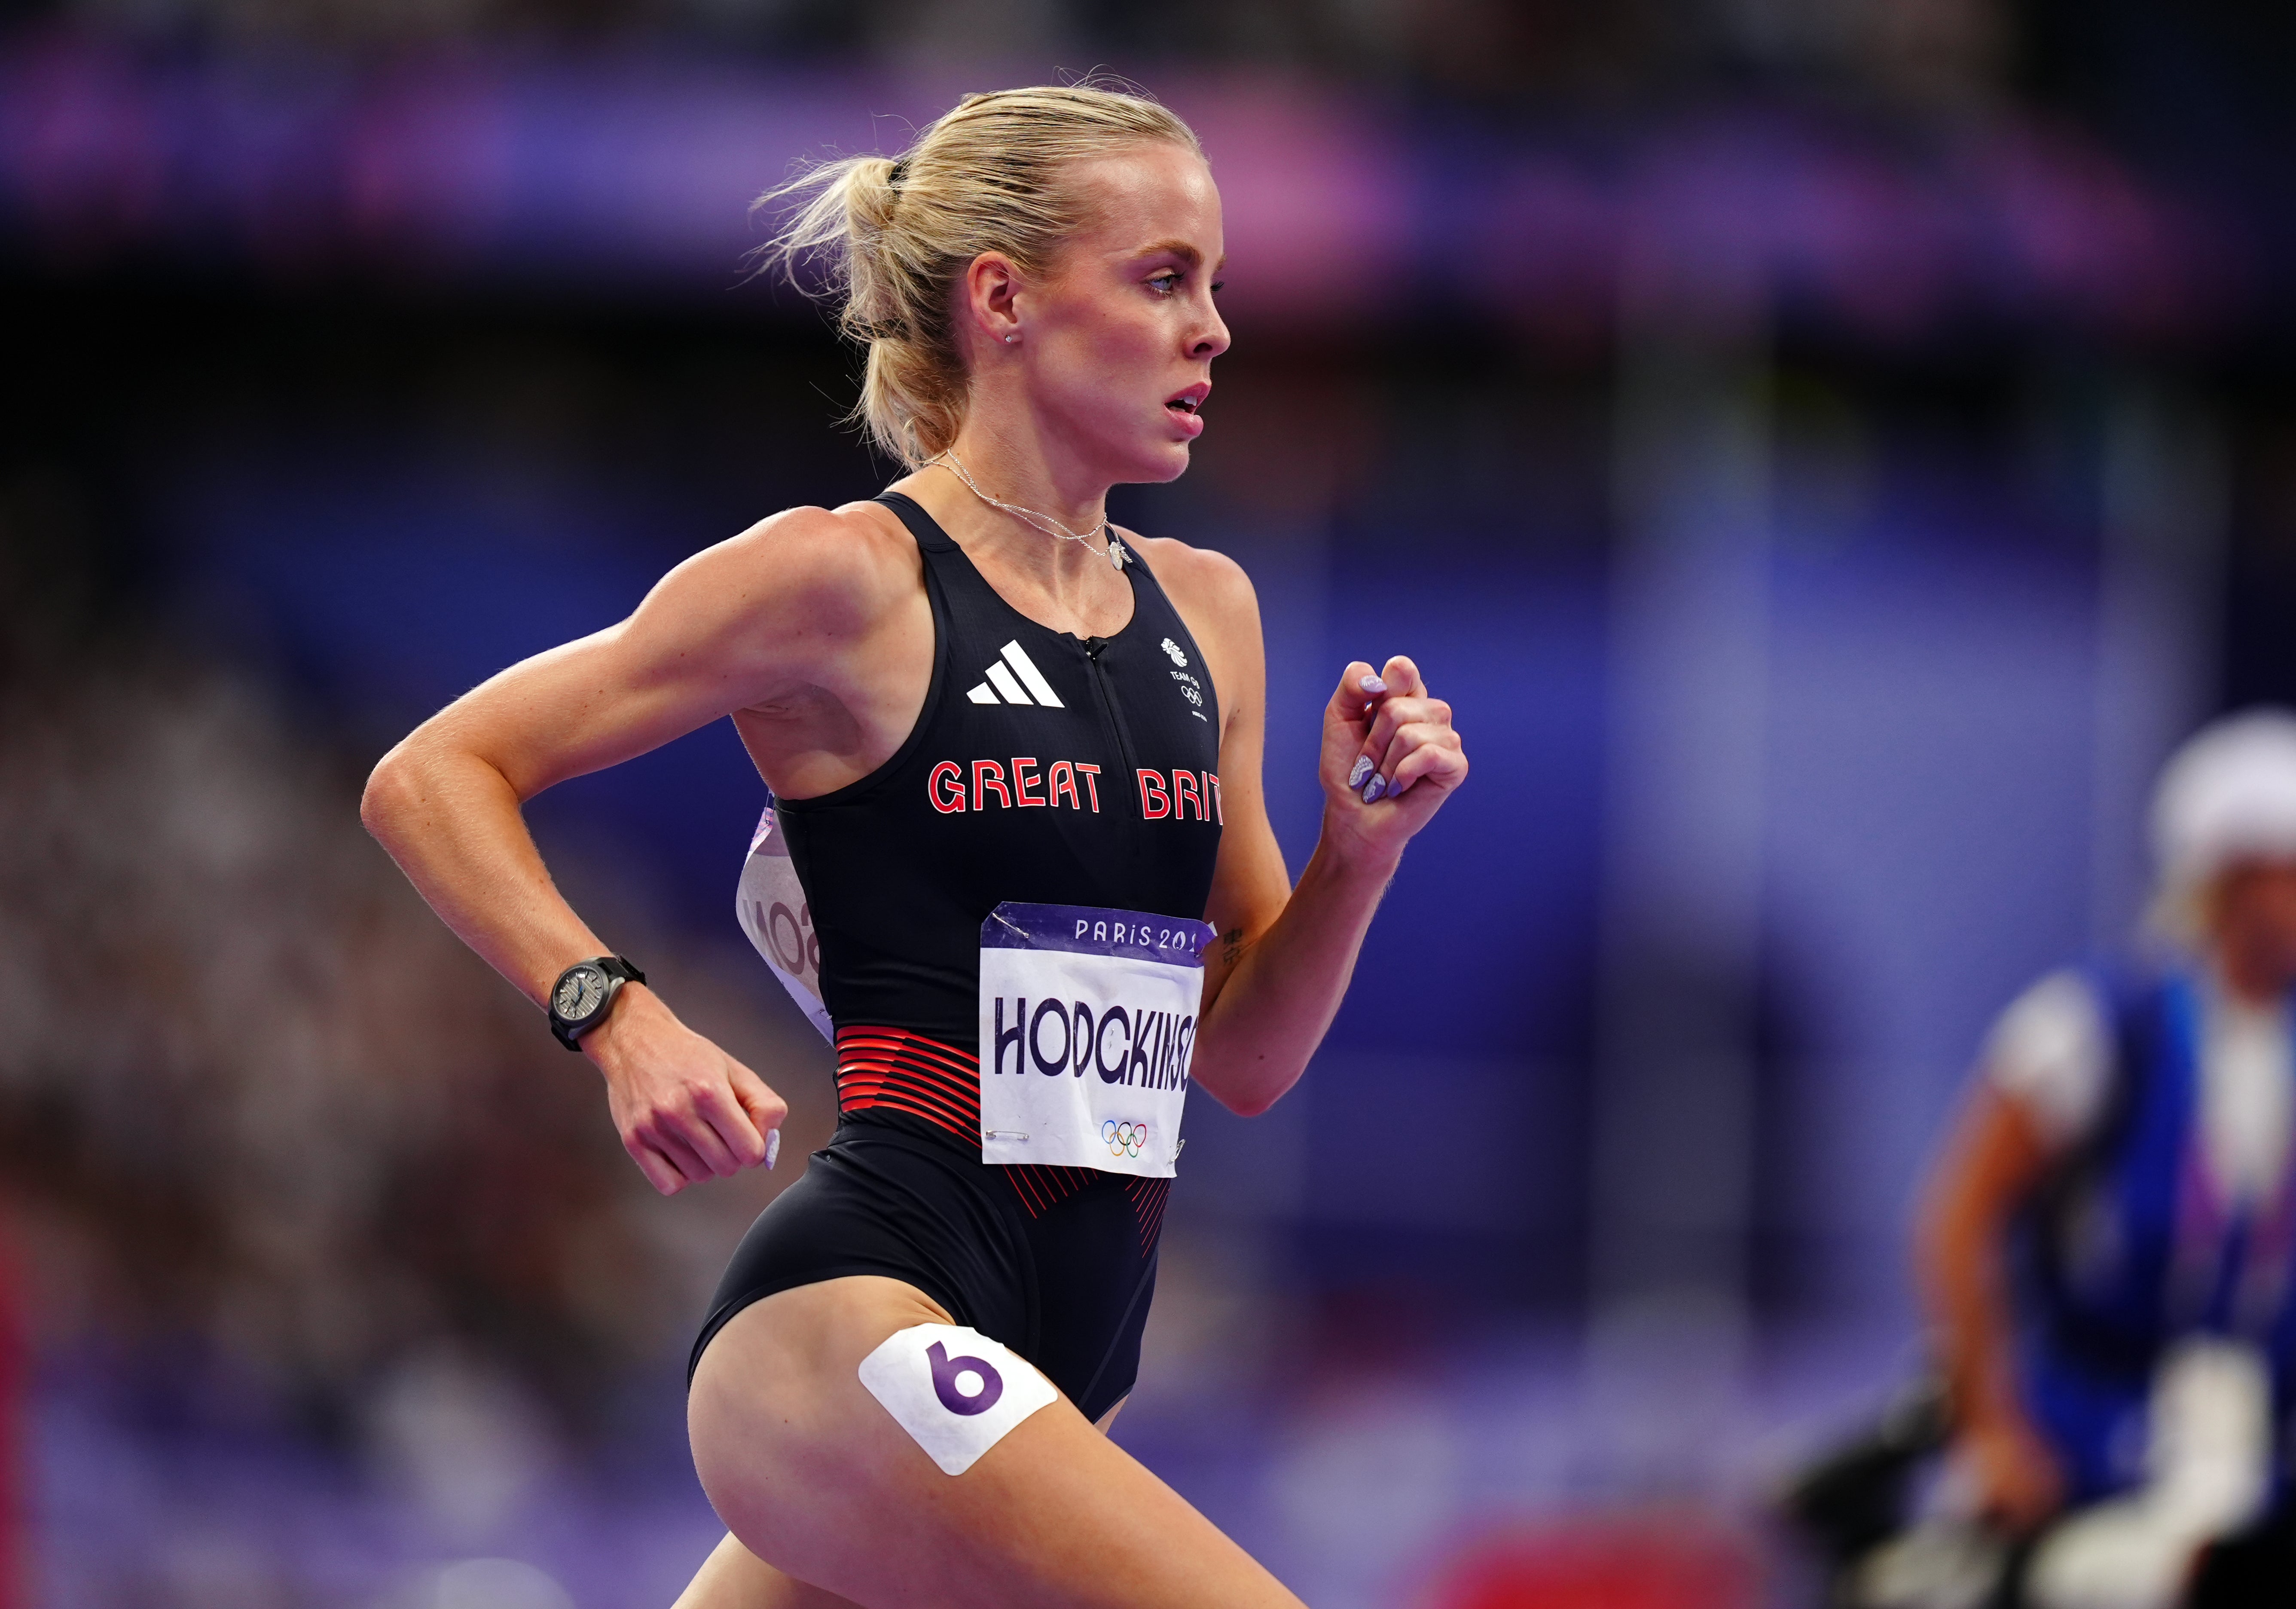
(1014, 679)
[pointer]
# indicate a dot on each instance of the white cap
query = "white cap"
(2229, 794)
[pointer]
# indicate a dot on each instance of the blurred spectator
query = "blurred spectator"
(1927, 52)
(270, 1133)
(2109, 1247)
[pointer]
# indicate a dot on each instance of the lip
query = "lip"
(1190, 420)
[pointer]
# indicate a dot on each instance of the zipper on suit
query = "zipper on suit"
(1092, 650)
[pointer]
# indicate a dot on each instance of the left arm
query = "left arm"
(1285, 955)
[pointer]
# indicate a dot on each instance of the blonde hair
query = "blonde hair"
(894, 235)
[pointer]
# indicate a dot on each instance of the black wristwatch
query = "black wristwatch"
(584, 993)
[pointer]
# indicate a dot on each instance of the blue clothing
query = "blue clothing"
(2133, 1247)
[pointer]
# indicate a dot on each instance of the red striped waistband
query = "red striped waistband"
(893, 1070)
(902, 1072)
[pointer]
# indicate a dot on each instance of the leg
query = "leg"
(734, 1578)
(813, 1476)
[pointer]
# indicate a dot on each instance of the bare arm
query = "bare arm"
(735, 627)
(1987, 1172)
(1285, 955)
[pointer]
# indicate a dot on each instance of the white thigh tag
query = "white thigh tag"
(771, 908)
(1087, 1021)
(954, 1390)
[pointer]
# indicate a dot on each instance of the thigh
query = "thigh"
(734, 1578)
(816, 1478)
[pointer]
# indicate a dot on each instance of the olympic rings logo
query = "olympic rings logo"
(1124, 1139)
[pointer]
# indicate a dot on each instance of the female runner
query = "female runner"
(1005, 737)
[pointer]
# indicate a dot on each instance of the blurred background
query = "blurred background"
(1826, 450)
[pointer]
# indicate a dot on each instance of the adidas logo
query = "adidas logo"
(1015, 677)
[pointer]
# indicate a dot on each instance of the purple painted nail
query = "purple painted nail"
(773, 1148)
(1371, 683)
(1373, 789)
(1363, 769)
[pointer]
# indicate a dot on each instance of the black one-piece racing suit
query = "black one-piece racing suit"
(1044, 769)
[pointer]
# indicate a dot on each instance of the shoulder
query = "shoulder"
(843, 567)
(857, 544)
(2053, 1051)
(1205, 585)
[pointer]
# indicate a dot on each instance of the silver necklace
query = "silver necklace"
(1113, 551)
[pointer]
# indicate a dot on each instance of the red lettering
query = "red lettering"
(1212, 787)
(945, 787)
(1155, 804)
(1024, 766)
(1184, 794)
(1061, 779)
(1091, 786)
(989, 773)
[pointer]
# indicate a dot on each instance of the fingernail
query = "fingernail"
(1373, 789)
(1371, 683)
(773, 1148)
(1363, 769)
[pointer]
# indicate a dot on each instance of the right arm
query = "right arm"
(1990, 1167)
(764, 621)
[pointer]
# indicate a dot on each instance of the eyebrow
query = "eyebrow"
(1182, 250)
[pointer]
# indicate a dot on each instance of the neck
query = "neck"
(1017, 473)
(1024, 473)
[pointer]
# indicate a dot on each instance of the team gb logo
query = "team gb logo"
(1173, 649)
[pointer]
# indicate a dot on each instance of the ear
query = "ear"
(992, 288)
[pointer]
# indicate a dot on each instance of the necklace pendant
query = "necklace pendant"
(1115, 556)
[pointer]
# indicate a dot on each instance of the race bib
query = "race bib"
(1087, 1021)
(771, 908)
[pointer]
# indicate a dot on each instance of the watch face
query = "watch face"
(578, 993)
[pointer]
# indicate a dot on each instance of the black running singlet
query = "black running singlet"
(1044, 769)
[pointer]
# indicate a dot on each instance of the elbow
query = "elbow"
(390, 788)
(1250, 1088)
(1253, 1103)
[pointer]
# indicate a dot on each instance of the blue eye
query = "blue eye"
(1164, 284)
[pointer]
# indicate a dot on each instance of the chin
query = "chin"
(1168, 461)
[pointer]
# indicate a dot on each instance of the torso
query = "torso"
(1041, 767)
(980, 755)
(2161, 1222)
(2152, 1228)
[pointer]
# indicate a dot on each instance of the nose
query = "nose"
(1212, 339)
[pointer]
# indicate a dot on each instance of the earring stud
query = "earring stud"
(1009, 340)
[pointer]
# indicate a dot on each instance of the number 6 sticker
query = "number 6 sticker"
(955, 1392)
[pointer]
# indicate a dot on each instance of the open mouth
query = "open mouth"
(1189, 400)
